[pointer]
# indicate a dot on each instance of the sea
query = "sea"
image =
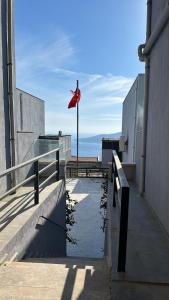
(87, 149)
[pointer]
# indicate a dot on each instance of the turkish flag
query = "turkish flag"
(75, 99)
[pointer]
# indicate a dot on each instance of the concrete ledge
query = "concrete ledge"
(108, 234)
(21, 230)
(130, 171)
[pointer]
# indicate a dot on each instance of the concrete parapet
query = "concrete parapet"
(130, 171)
(21, 230)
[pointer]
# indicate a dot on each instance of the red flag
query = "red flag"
(75, 99)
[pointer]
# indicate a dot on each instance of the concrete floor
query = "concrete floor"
(87, 230)
(147, 267)
(55, 279)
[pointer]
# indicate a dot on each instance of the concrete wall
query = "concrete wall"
(106, 157)
(108, 145)
(30, 121)
(139, 128)
(157, 157)
(47, 239)
(27, 128)
(35, 236)
(132, 124)
(28, 110)
(30, 124)
(4, 115)
(129, 123)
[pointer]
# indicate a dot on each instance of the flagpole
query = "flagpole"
(77, 132)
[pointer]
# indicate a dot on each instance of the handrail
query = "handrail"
(6, 172)
(121, 186)
(60, 227)
(120, 171)
(92, 172)
(54, 223)
(46, 168)
(90, 168)
(17, 186)
(36, 174)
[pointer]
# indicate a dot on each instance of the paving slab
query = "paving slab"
(87, 230)
(147, 264)
(63, 280)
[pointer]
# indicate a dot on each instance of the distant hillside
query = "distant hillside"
(98, 138)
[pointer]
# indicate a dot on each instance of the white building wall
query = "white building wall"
(129, 123)
(157, 154)
(106, 157)
(132, 124)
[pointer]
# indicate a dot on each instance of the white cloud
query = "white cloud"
(67, 123)
(46, 69)
(34, 57)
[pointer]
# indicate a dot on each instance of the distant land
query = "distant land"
(98, 138)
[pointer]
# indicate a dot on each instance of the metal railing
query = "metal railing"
(87, 172)
(35, 176)
(121, 197)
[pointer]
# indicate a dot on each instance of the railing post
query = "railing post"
(123, 229)
(114, 174)
(112, 169)
(57, 165)
(114, 190)
(36, 181)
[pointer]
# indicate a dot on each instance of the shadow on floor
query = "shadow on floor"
(15, 207)
(85, 281)
(83, 185)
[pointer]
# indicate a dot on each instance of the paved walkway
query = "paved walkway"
(55, 279)
(87, 230)
(147, 267)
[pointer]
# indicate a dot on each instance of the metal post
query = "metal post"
(36, 181)
(114, 190)
(114, 181)
(77, 132)
(57, 165)
(123, 229)
(112, 169)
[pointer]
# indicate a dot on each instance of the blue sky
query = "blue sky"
(94, 41)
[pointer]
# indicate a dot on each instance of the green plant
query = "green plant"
(70, 221)
(103, 203)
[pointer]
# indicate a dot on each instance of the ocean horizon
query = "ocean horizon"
(87, 149)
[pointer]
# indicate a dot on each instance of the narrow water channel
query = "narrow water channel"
(87, 229)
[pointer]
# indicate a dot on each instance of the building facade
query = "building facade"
(30, 122)
(155, 54)
(108, 145)
(22, 117)
(132, 125)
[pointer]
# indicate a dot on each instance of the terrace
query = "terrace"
(131, 255)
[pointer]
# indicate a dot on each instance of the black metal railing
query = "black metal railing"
(35, 177)
(121, 199)
(87, 172)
